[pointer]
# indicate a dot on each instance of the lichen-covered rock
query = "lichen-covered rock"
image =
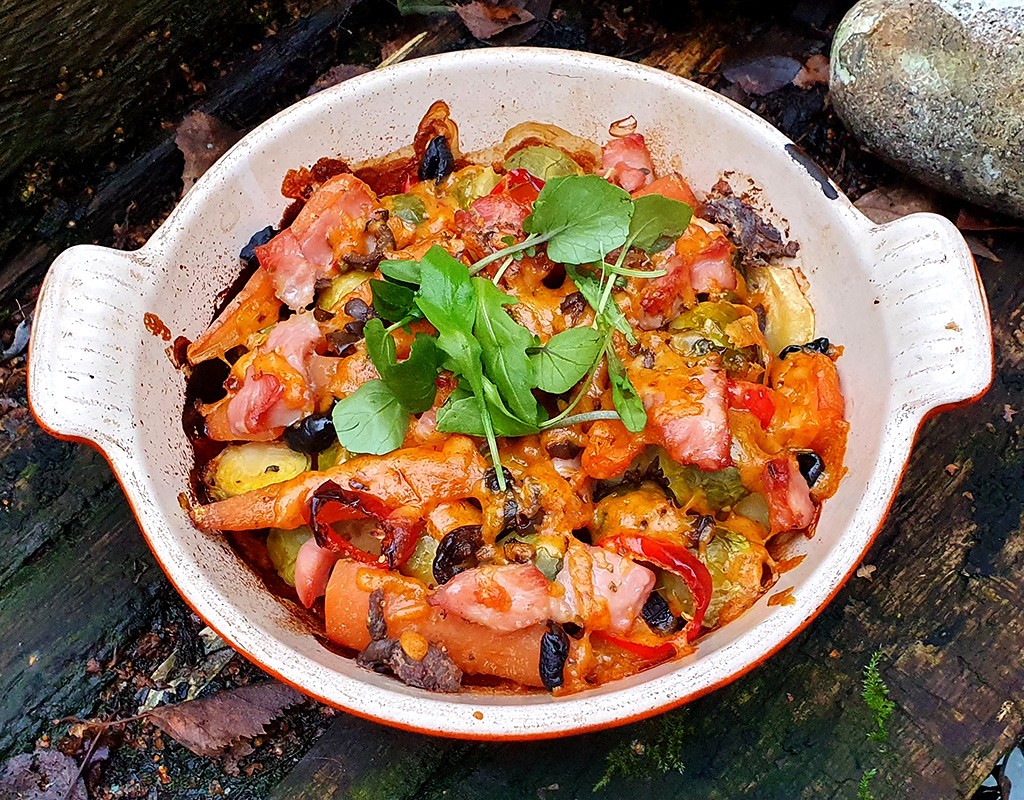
(937, 88)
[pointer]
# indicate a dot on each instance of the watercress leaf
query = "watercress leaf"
(461, 414)
(656, 218)
(412, 381)
(543, 162)
(627, 401)
(590, 287)
(566, 359)
(582, 218)
(401, 271)
(370, 420)
(447, 299)
(393, 301)
(503, 343)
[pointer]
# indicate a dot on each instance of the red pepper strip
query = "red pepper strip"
(400, 528)
(752, 397)
(645, 651)
(519, 185)
(674, 558)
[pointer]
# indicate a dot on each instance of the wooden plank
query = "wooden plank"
(145, 187)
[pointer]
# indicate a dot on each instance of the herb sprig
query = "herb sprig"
(498, 362)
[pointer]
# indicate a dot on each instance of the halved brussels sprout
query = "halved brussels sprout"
(342, 286)
(702, 490)
(241, 468)
(420, 564)
(723, 328)
(789, 318)
(407, 207)
(543, 162)
(283, 548)
(468, 184)
(737, 571)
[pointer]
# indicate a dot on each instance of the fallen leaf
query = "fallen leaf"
(892, 202)
(814, 72)
(866, 571)
(218, 724)
(42, 775)
(20, 341)
(1008, 412)
(510, 22)
(202, 139)
(972, 219)
(980, 249)
(764, 75)
(952, 469)
(335, 75)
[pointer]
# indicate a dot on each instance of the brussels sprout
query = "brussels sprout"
(755, 507)
(241, 468)
(702, 490)
(789, 318)
(468, 184)
(736, 566)
(709, 327)
(283, 548)
(543, 162)
(407, 207)
(340, 288)
(421, 563)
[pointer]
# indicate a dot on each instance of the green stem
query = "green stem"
(554, 421)
(530, 241)
(501, 270)
(492, 441)
(580, 419)
(398, 324)
(636, 273)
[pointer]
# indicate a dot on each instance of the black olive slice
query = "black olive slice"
(554, 650)
(811, 466)
(438, 161)
(311, 434)
(248, 254)
(659, 616)
(456, 552)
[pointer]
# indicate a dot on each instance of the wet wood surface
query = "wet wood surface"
(79, 590)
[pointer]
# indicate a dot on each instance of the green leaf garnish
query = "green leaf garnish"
(611, 315)
(624, 395)
(655, 218)
(461, 414)
(393, 301)
(412, 381)
(566, 359)
(370, 420)
(503, 343)
(401, 271)
(581, 217)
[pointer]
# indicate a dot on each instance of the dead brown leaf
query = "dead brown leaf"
(511, 22)
(335, 75)
(982, 250)
(764, 75)
(202, 139)
(219, 724)
(973, 219)
(42, 775)
(892, 202)
(814, 72)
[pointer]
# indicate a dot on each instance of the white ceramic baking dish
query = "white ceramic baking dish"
(904, 299)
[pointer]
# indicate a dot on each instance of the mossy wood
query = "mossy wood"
(944, 602)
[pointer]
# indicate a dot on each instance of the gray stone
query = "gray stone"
(937, 88)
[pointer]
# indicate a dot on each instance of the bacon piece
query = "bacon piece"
(313, 567)
(294, 276)
(789, 498)
(626, 162)
(602, 590)
(712, 271)
(503, 598)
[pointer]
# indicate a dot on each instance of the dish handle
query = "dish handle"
(942, 352)
(87, 317)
